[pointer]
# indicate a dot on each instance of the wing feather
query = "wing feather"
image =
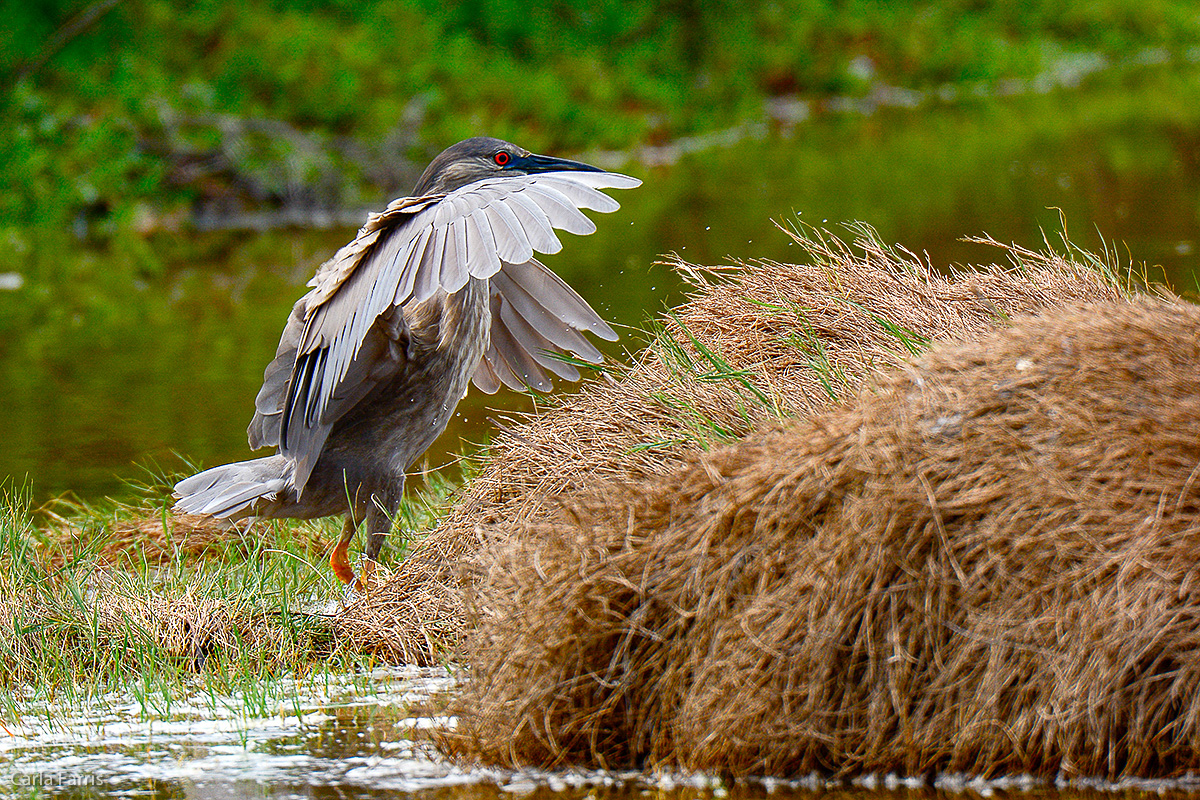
(594, 180)
(502, 371)
(534, 223)
(485, 378)
(313, 401)
(532, 342)
(337, 270)
(561, 212)
(455, 269)
(536, 284)
(457, 205)
(393, 255)
(425, 284)
(559, 298)
(580, 195)
(484, 262)
(268, 405)
(536, 316)
(409, 274)
(512, 244)
(520, 361)
(559, 333)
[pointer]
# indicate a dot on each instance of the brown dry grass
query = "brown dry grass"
(191, 627)
(783, 339)
(989, 565)
(52, 635)
(117, 591)
(134, 537)
(95, 596)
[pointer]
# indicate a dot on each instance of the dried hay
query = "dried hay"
(120, 623)
(753, 343)
(137, 536)
(414, 616)
(155, 541)
(192, 627)
(71, 604)
(987, 565)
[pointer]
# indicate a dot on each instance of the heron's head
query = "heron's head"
(484, 157)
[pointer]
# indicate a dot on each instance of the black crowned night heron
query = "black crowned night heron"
(439, 289)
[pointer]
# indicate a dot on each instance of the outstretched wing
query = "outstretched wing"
(536, 317)
(266, 426)
(347, 335)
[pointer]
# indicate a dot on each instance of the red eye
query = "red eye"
(501, 158)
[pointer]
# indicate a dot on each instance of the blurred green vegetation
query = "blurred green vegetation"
(125, 124)
(116, 113)
(106, 370)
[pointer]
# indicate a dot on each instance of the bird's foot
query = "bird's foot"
(370, 575)
(359, 586)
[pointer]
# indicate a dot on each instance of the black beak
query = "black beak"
(535, 163)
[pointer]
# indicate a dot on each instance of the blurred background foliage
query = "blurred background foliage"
(116, 114)
(172, 171)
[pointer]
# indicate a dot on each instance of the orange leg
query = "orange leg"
(337, 559)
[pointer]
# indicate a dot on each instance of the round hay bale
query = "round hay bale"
(988, 563)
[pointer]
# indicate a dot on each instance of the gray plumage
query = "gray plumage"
(438, 290)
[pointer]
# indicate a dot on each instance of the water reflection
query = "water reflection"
(92, 389)
(353, 737)
(333, 730)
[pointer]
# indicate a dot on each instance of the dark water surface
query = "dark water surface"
(170, 364)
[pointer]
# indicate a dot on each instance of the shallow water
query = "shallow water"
(353, 732)
(352, 737)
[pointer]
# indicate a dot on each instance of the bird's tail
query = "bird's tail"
(235, 491)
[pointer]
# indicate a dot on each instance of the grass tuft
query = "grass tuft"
(127, 597)
(984, 564)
